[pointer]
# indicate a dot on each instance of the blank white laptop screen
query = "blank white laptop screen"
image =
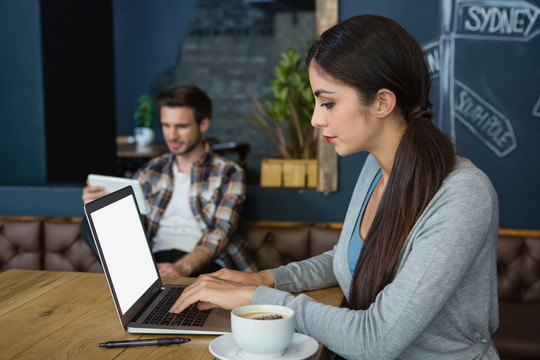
(125, 250)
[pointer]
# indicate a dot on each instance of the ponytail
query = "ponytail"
(425, 156)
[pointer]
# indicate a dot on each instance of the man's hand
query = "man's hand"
(188, 264)
(176, 269)
(193, 261)
(167, 269)
(91, 193)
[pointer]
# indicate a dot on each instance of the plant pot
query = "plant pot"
(144, 136)
(300, 173)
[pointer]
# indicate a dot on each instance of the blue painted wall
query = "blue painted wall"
(22, 134)
(146, 36)
(500, 66)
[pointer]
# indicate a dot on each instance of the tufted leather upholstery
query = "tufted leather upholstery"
(64, 248)
(44, 244)
(273, 245)
(20, 243)
(518, 268)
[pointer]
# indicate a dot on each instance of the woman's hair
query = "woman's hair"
(370, 53)
(187, 95)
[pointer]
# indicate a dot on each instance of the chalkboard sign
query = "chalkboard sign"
(484, 59)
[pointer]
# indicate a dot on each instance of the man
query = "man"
(194, 194)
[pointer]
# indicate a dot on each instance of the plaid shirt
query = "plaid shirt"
(217, 194)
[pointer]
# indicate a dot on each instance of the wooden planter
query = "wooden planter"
(300, 173)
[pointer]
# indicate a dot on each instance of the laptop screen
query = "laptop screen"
(125, 250)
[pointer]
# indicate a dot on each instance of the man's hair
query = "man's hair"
(187, 95)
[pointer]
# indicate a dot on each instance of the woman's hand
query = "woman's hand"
(225, 288)
(260, 278)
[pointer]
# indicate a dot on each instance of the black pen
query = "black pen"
(145, 342)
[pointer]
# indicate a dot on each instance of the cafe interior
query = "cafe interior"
(72, 75)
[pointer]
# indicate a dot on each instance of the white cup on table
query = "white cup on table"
(263, 331)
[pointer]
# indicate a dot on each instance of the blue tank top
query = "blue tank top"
(355, 245)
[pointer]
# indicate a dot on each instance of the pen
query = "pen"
(145, 342)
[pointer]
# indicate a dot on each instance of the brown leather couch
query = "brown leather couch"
(56, 244)
(278, 243)
(518, 269)
(44, 243)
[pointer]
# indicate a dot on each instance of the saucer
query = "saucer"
(301, 347)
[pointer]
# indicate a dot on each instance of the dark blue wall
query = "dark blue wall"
(146, 37)
(22, 134)
(502, 71)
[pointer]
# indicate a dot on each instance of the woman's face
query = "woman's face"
(343, 120)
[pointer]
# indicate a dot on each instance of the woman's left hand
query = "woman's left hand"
(210, 291)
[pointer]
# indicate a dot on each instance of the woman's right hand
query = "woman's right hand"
(224, 288)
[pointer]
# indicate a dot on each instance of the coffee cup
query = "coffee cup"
(262, 331)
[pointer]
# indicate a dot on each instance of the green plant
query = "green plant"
(286, 118)
(144, 112)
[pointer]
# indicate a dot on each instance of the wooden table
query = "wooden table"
(130, 157)
(65, 315)
(131, 150)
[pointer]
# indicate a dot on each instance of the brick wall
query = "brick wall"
(232, 47)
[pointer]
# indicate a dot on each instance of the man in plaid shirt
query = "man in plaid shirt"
(194, 195)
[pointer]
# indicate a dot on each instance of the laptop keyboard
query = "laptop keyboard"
(189, 317)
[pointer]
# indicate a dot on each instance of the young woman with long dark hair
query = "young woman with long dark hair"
(417, 254)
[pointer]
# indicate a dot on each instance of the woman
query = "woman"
(416, 256)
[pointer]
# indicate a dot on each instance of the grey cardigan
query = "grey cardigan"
(442, 302)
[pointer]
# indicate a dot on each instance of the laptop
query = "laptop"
(136, 286)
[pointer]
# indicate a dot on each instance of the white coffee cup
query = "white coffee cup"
(262, 339)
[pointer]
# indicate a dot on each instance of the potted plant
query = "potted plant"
(286, 119)
(144, 120)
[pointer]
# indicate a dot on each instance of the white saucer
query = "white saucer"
(301, 347)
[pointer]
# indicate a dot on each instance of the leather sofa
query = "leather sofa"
(56, 244)
(44, 243)
(518, 270)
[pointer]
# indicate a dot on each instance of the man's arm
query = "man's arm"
(217, 208)
(222, 213)
(193, 261)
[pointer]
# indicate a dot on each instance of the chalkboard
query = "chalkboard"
(484, 59)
